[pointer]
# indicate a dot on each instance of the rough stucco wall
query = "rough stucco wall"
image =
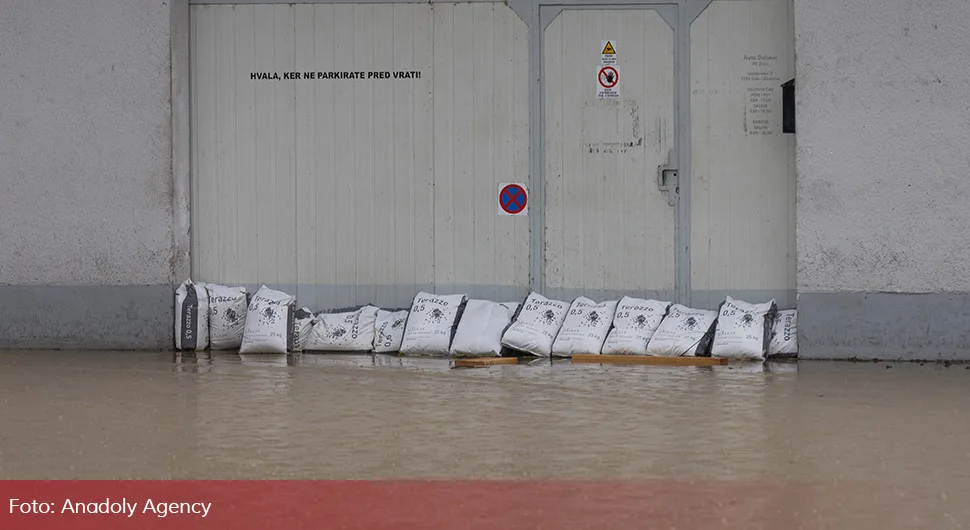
(86, 181)
(883, 134)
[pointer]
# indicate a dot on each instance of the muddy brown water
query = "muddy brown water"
(900, 432)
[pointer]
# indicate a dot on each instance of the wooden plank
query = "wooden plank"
(482, 362)
(646, 359)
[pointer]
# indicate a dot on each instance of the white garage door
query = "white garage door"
(373, 172)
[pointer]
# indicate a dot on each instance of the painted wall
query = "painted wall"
(85, 178)
(883, 183)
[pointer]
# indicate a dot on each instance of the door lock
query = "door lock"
(668, 182)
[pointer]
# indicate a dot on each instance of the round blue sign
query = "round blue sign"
(513, 199)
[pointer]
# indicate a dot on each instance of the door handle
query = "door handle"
(668, 181)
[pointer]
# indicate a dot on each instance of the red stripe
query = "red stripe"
(438, 505)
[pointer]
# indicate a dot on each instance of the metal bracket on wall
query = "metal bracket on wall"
(668, 181)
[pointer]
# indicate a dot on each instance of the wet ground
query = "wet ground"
(889, 443)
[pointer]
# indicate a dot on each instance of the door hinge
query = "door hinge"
(668, 181)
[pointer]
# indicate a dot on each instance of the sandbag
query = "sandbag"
(635, 322)
(585, 328)
(269, 322)
(191, 316)
(432, 323)
(227, 316)
(536, 325)
(684, 332)
(784, 334)
(344, 331)
(743, 330)
(480, 330)
(300, 334)
(389, 330)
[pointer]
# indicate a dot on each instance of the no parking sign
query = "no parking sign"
(513, 199)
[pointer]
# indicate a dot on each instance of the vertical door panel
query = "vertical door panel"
(609, 229)
(481, 93)
(742, 165)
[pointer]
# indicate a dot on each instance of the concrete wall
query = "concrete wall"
(86, 182)
(883, 187)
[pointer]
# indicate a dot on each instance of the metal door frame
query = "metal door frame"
(679, 14)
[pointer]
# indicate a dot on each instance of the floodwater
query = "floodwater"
(887, 443)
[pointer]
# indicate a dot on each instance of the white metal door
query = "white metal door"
(609, 229)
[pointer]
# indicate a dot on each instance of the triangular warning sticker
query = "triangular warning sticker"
(608, 50)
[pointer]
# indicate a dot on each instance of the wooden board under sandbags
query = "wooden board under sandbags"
(482, 362)
(649, 360)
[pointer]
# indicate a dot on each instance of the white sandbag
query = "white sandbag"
(480, 330)
(585, 329)
(344, 331)
(431, 324)
(389, 330)
(227, 316)
(784, 335)
(743, 330)
(684, 332)
(300, 334)
(536, 325)
(191, 316)
(635, 322)
(269, 322)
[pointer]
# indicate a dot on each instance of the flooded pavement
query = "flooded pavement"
(894, 437)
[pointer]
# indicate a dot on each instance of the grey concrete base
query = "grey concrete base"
(599, 295)
(126, 317)
(884, 326)
(709, 300)
(322, 297)
(784, 298)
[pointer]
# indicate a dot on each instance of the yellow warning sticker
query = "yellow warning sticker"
(608, 49)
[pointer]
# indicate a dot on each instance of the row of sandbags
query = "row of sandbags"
(217, 317)
(455, 325)
(443, 324)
